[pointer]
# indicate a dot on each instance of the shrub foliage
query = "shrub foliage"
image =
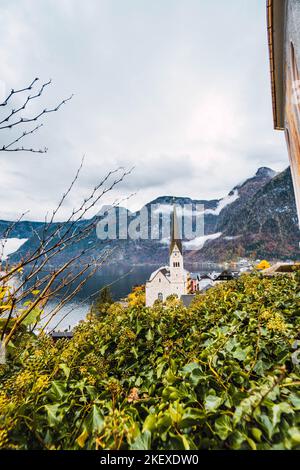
(218, 375)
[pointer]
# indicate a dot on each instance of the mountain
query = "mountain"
(22, 229)
(246, 192)
(263, 225)
(257, 218)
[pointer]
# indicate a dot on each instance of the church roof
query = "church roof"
(175, 233)
(165, 270)
(225, 276)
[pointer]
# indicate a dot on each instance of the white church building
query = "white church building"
(172, 279)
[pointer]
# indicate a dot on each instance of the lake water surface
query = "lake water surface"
(120, 279)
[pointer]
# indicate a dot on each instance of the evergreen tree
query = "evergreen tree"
(102, 302)
(105, 296)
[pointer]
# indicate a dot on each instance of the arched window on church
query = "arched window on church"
(160, 297)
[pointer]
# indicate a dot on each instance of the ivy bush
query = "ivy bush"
(218, 375)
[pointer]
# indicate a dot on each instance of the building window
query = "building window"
(160, 296)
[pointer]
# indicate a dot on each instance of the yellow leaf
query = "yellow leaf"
(82, 438)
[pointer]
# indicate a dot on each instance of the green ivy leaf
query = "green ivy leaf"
(54, 414)
(66, 370)
(149, 335)
(160, 368)
(163, 423)
(150, 423)
(251, 443)
(267, 425)
(142, 442)
(241, 353)
(223, 427)
(212, 402)
(295, 435)
(257, 434)
(278, 410)
(192, 417)
(57, 391)
(95, 420)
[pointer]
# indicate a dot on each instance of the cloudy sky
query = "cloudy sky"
(180, 89)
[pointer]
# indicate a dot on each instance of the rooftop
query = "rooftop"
(187, 299)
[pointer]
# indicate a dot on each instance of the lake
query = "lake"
(120, 279)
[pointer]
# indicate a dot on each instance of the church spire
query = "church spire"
(175, 232)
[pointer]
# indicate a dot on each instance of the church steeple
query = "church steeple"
(175, 233)
(171, 280)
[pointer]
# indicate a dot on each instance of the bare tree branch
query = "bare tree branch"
(5, 122)
(29, 98)
(67, 237)
(6, 148)
(37, 116)
(14, 92)
(52, 239)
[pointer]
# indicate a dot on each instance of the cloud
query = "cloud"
(10, 245)
(178, 89)
(199, 242)
(223, 203)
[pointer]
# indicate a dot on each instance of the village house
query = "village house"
(205, 282)
(194, 282)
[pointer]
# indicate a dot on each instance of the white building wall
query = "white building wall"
(158, 285)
